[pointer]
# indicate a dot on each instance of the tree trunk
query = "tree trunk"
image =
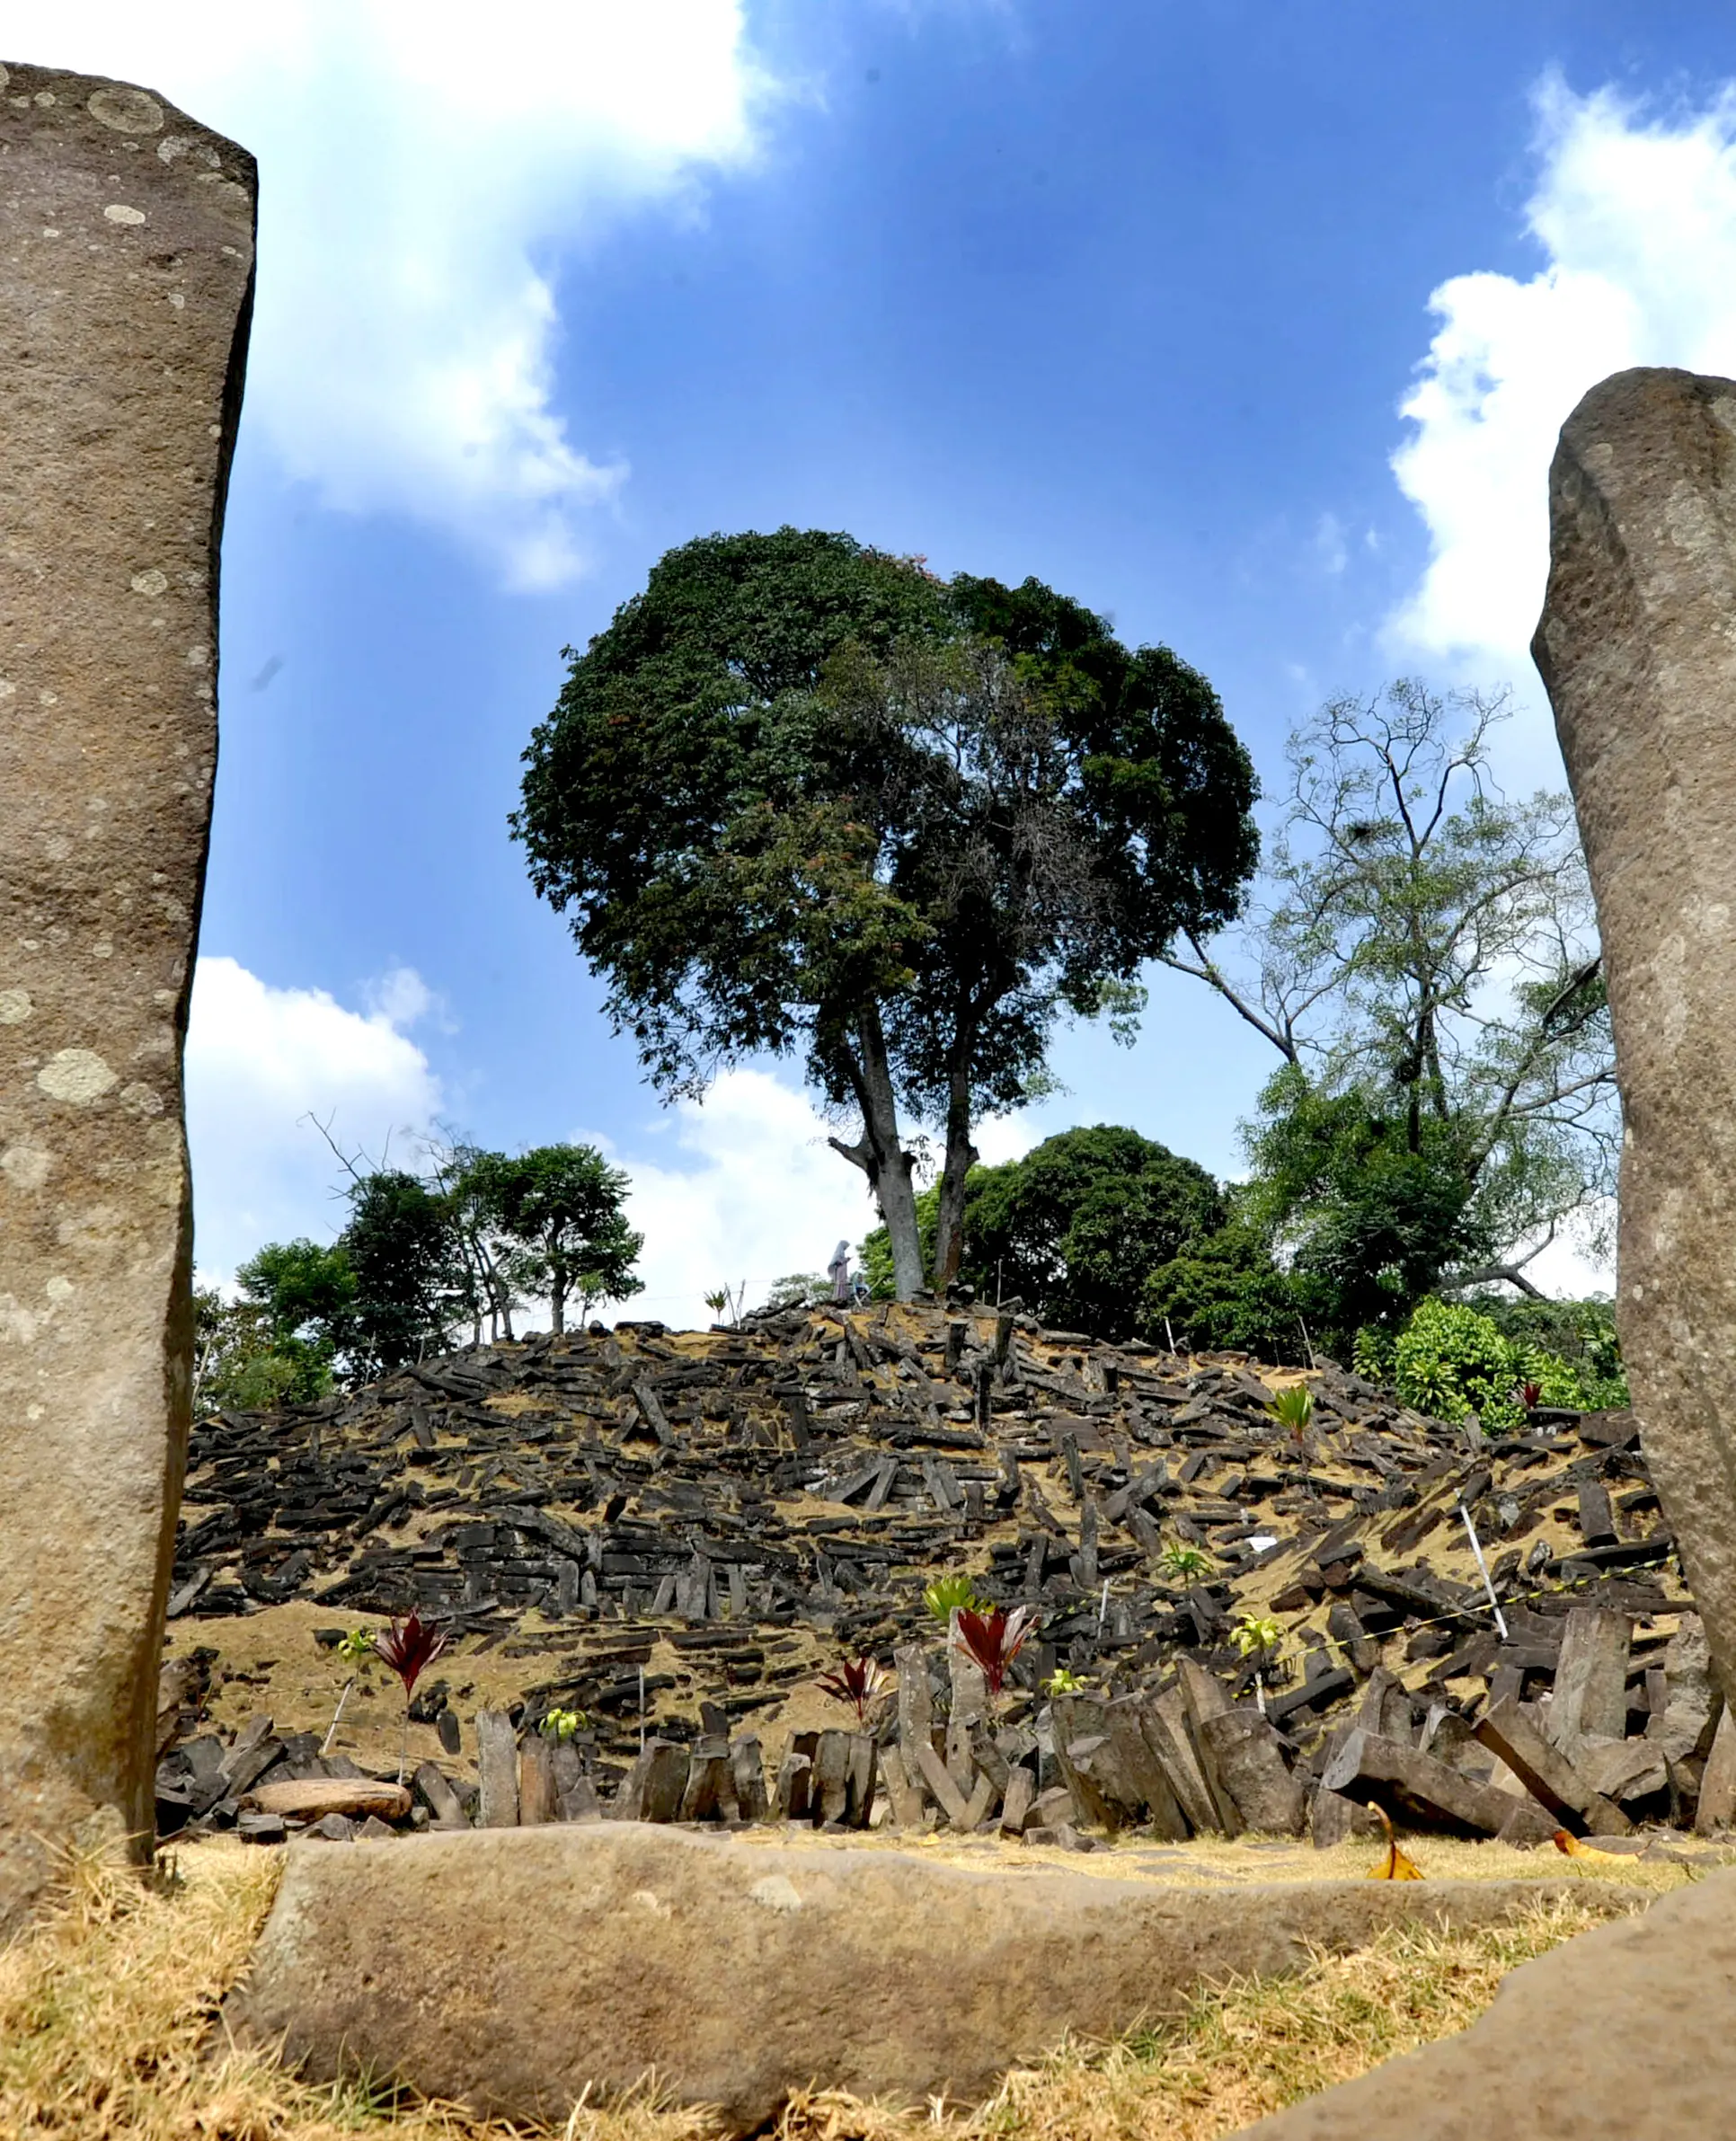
(557, 1300)
(880, 1154)
(961, 1158)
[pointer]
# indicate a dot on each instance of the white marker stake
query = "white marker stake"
(1103, 1611)
(1483, 1571)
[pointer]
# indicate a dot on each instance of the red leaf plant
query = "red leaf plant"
(1531, 1395)
(994, 1639)
(407, 1646)
(857, 1681)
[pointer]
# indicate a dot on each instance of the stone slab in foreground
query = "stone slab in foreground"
(1623, 2034)
(516, 1968)
(126, 278)
(1637, 648)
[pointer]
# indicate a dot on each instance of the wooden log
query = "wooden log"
(497, 1761)
(1547, 1774)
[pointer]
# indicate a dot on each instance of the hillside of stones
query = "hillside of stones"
(673, 1532)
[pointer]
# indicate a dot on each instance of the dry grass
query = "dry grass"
(1244, 2048)
(110, 2031)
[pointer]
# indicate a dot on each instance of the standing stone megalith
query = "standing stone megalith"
(1637, 647)
(125, 280)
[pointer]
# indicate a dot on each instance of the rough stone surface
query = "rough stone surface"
(514, 1968)
(1621, 2035)
(126, 276)
(1637, 649)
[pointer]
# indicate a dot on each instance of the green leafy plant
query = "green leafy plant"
(1257, 1635)
(355, 1648)
(948, 1595)
(857, 1681)
(562, 1725)
(1293, 1410)
(1450, 1361)
(1371, 1353)
(1063, 1682)
(1186, 1564)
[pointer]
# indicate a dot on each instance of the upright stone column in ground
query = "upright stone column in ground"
(126, 282)
(1637, 647)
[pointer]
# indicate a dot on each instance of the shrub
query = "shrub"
(1450, 1361)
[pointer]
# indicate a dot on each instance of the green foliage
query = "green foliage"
(1293, 1410)
(797, 1289)
(805, 798)
(1453, 1358)
(550, 1221)
(1371, 1355)
(1569, 1347)
(1075, 1227)
(1184, 1563)
(1450, 1361)
(410, 1283)
(239, 1365)
(1225, 1293)
(1257, 1634)
(355, 1646)
(948, 1595)
(562, 1725)
(1063, 1681)
(1372, 1219)
(1426, 964)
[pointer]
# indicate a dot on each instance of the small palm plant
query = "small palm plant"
(949, 1594)
(857, 1681)
(1293, 1410)
(562, 1725)
(407, 1647)
(1186, 1564)
(1064, 1682)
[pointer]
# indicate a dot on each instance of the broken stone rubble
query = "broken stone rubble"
(760, 1498)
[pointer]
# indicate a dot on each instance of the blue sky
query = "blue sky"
(1247, 321)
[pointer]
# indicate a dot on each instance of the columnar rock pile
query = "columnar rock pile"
(674, 1534)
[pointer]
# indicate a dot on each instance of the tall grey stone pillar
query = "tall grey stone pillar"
(126, 282)
(1637, 647)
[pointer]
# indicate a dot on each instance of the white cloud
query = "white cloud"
(418, 165)
(260, 1061)
(752, 1192)
(1637, 216)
